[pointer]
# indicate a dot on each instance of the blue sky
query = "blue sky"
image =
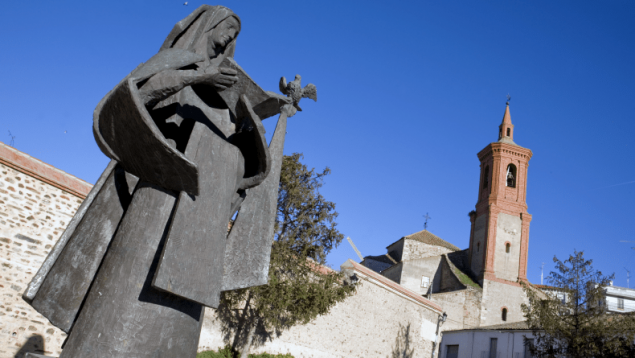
(408, 92)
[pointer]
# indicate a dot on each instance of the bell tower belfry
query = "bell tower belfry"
(500, 224)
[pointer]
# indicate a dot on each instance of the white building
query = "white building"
(498, 341)
(619, 299)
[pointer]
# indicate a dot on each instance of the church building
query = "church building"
(478, 286)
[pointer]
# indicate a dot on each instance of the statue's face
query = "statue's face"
(225, 32)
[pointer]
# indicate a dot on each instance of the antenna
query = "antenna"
(628, 276)
(12, 139)
(425, 224)
(355, 248)
(542, 270)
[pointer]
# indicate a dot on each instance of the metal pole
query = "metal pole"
(542, 270)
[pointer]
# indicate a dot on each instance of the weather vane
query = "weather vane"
(425, 224)
(509, 98)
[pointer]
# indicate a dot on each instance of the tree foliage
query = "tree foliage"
(300, 288)
(572, 321)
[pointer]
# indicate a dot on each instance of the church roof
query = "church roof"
(429, 238)
(458, 262)
(508, 140)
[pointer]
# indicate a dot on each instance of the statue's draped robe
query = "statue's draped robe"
(149, 246)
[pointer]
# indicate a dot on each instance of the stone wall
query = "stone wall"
(498, 295)
(381, 317)
(448, 280)
(395, 250)
(462, 307)
(478, 250)
(417, 250)
(36, 203)
(508, 231)
(414, 270)
(394, 272)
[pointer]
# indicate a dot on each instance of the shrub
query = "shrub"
(228, 352)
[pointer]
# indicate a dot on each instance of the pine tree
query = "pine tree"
(573, 322)
(300, 287)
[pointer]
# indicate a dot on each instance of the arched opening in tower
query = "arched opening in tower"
(511, 176)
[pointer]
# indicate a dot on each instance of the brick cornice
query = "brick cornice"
(505, 149)
(47, 173)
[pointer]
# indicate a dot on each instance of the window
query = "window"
(509, 131)
(508, 247)
(511, 176)
(425, 281)
(478, 247)
(486, 178)
(493, 343)
(452, 351)
(504, 314)
(620, 303)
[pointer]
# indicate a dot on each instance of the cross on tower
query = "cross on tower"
(425, 224)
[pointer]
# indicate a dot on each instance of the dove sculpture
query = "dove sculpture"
(295, 91)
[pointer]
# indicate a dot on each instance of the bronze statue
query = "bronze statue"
(150, 245)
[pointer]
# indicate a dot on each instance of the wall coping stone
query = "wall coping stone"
(47, 173)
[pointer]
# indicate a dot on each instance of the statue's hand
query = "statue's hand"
(218, 77)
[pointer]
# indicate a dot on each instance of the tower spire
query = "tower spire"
(506, 129)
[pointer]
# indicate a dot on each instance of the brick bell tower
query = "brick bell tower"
(500, 224)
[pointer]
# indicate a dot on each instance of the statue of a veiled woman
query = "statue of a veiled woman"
(149, 247)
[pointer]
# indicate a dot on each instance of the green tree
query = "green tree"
(300, 288)
(573, 322)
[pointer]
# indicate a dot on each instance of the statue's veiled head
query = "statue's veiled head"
(209, 30)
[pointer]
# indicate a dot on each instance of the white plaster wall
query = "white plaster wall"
(480, 231)
(508, 229)
(611, 302)
(33, 215)
(364, 325)
(476, 343)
